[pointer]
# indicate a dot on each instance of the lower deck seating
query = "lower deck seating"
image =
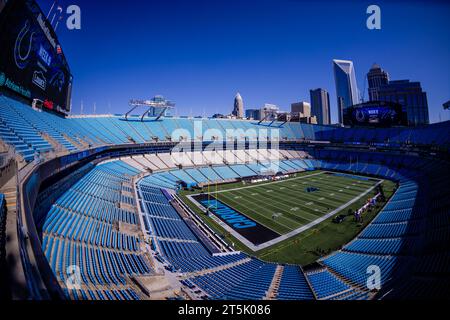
(109, 256)
(325, 284)
(83, 229)
(293, 285)
(248, 281)
(354, 266)
(387, 242)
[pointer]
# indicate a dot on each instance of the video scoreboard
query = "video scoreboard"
(32, 63)
(375, 114)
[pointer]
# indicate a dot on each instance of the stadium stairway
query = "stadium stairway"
(13, 270)
(275, 285)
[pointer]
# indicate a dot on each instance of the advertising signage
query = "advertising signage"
(32, 63)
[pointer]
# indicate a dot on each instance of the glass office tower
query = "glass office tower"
(346, 87)
(411, 96)
(320, 105)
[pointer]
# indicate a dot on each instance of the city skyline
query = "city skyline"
(273, 51)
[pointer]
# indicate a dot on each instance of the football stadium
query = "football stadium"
(146, 206)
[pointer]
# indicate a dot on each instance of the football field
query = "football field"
(287, 205)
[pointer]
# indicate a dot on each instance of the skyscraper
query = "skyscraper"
(254, 114)
(301, 111)
(238, 110)
(412, 98)
(320, 105)
(346, 87)
(302, 108)
(376, 78)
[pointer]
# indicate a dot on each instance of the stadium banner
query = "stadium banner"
(32, 63)
(253, 231)
(375, 114)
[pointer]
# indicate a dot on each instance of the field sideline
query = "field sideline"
(303, 248)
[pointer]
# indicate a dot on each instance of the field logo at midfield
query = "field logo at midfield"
(230, 216)
(219, 141)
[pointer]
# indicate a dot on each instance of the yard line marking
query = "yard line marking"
(270, 183)
(305, 227)
(289, 204)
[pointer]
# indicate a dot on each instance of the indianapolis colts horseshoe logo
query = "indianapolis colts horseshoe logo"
(360, 117)
(21, 61)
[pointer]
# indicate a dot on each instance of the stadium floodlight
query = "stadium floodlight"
(269, 114)
(155, 102)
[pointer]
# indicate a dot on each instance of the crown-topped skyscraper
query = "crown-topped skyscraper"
(376, 78)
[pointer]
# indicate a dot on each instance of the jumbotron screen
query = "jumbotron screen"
(375, 114)
(32, 63)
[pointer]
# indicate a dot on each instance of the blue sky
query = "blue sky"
(200, 53)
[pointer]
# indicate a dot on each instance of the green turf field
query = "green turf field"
(308, 246)
(284, 206)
